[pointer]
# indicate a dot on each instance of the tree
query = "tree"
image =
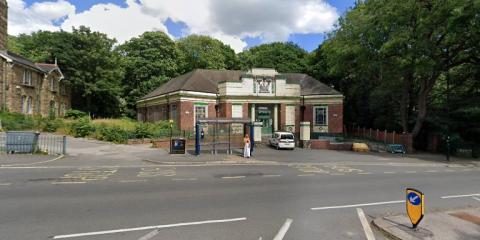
(149, 61)
(284, 57)
(402, 50)
(205, 52)
(91, 67)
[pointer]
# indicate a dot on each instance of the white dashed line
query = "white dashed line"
(233, 177)
(184, 179)
(411, 172)
(476, 198)
(68, 183)
(358, 205)
(5, 184)
(147, 228)
(272, 175)
(132, 181)
(306, 175)
(389, 172)
(364, 173)
(461, 196)
(431, 171)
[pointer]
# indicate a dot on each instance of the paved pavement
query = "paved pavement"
(142, 193)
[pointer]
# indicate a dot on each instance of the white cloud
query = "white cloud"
(115, 21)
(230, 21)
(39, 16)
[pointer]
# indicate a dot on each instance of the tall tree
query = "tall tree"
(149, 61)
(198, 51)
(88, 62)
(284, 57)
(409, 46)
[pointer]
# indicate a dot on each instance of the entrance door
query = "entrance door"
(264, 115)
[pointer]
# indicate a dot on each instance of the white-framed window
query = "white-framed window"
(53, 85)
(320, 115)
(200, 111)
(27, 77)
(237, 111)
(26, 105)
(173, 112)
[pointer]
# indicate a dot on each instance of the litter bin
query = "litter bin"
(177, 146)
(21, 142)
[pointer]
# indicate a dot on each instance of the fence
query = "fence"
(46, 143)
(383, 136)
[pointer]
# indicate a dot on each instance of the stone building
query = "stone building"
(280, 101)
(27, 87)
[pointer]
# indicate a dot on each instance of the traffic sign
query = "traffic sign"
(415, 206)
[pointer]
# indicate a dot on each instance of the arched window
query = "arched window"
(26, 104)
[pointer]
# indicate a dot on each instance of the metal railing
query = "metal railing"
(42, 144)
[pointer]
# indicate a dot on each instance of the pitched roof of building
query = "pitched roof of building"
(41, 67)
(19, 59)
(203, 80)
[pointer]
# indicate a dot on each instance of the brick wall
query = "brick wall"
(246, 111)
(335, 118)
(186, 120)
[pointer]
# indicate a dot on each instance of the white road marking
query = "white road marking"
(5, 184)
(306, 175)
(283, 230)
(461, 196)
(148, 228)
(365, 225)
(31, 164)
(411, 172)
(150, 235)
(431, 171)
(358, 205)
(337, 174)
(132, 181)
(364, 173)
(389, 172)
(449, 170)
(272, 175)
(478, 199)
(233, 177)
(68, 182)
(184, 179)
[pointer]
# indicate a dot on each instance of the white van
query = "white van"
(283, 140)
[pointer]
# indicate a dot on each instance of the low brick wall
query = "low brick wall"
(319, 144)
(139, 141)
(165, 143)
(341, 146)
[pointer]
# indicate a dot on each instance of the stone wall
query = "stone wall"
(3, 24)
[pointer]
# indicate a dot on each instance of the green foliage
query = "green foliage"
(16, 121)
(82, 127)
(113, 134)
(198, 51)
(88, 62)
(75, 114)
(52, 125)
(392, 58)
(149, 61)
(284, 57)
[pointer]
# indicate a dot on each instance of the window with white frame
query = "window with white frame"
(173, 112)
(53, 85)
(237, 111)
(26, 105)
(201, 111)
(27, 77)
(320, 115)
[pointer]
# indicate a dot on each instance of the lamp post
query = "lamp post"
(448, 116)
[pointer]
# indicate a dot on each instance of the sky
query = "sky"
(238, 23)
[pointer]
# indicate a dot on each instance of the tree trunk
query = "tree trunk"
(422, 111)
(405, 102)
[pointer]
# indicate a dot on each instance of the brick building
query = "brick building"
(280, 101)
(27, 87)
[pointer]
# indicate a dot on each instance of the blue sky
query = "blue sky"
(246, 39)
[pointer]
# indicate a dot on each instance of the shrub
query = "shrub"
(52, 125)
(75, 114)
(16, 121)
(82, 127)
(143, 130)
(112, 134)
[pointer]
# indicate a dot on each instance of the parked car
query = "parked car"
(283, 140)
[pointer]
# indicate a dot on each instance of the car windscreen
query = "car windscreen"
(286, 136)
